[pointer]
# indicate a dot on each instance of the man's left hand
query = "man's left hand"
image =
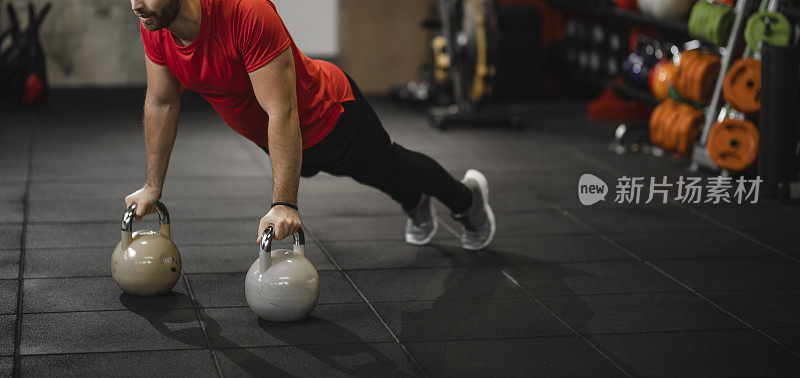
(285, 221)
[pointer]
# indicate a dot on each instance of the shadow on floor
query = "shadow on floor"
(164, 319)
(415, 325)
(351, 345)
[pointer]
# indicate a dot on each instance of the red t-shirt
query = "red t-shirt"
(241, 36)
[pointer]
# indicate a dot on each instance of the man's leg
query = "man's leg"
(360, 147)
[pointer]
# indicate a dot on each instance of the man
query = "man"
(306, 114)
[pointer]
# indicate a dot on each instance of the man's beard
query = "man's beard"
(163, 18)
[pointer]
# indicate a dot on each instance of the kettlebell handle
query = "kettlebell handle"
(127, 219)
(266, 238)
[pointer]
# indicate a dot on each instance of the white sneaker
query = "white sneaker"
(477, 222)
(421, 224)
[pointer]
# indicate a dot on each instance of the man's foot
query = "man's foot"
(477, 222)
(421, 224)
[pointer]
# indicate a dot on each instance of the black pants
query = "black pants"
(359, 147)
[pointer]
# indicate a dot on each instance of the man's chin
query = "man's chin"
(151, 26)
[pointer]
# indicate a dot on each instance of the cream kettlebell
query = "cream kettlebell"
(146, 262)
(282, 285)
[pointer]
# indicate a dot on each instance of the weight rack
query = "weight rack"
(714, 111)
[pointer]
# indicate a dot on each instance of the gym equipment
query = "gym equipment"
(778, 120)
(146, 262)
(661, 77)
(742, 85)
(694, 79)
(769, 28)
(636, 70)
(711, 22)
(470, 38)
(674, 9)
(714, 111)
(23, 76)
(674, 126)
(733, 144)
(282, 285)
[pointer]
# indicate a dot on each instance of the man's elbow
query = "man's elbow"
(161, 103)
(283, 115)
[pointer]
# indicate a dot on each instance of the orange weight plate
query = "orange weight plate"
(669, 120)
(688, 132)
(733, 144)
(742, 85)
(657, 120)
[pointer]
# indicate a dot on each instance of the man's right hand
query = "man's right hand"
(145, 199)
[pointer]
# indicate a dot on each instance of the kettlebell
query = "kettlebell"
(282, 285)
(145, 262)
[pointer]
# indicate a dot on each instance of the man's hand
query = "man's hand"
(285, 220)
(145, 199)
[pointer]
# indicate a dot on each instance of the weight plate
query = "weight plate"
(733, 144)
(742, 85)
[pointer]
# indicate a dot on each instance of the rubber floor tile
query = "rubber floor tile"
(766, 214)
(113, 209)
(72, 235)
(735, 274)
(95, 294)
(170, 363)
(464, 282)
(642, 220)
(75, 262)
(215, 232)
(239, 257)
(227, 290)
(356, 204)
(397, 254)
(10, 235)
(174, 190)
(7, 329)
(762, 308)
(61, 170)
(591, 278)
(12, 192)
(8, 291)
(625, 313)
(110, 331)
(9, 264)
(699, 354)
(334, 360)
(386, 228)
(11, 211)
(328, 324)
(551, 249)
(6, 366)
(469, 319)
(789, 337)
(546, 357)
(545, 222)
(785, 241)
(689, 245)
(13, 173)
(112, 189)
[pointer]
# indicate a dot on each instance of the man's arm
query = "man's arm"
(161, 108)
(274, 87)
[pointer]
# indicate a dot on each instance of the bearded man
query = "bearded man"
(306, 114)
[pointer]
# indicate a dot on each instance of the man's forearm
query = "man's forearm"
(160, 129)
(286, 156)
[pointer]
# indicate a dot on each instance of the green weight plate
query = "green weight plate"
(769, 28)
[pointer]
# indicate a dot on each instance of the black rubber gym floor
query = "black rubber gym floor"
(606, 290)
